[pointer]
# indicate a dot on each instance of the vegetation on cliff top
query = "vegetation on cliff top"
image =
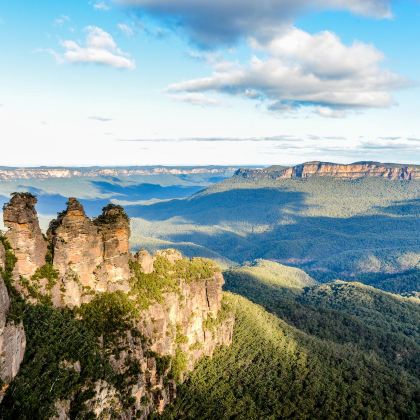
(166, 277)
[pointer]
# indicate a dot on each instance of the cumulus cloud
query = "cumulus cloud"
(99, 48)
(213, 22)
(299, 69)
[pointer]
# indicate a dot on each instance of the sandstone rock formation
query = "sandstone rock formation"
(114, 226)
(12, 337)
(351, 171)
(89, 255)
(183, 320)
(168, 336)
(24, 234)
(178, 314)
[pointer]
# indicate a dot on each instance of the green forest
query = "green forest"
(337, 350)
(364, 230)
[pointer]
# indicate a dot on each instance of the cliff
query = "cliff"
(12, 335)
(146, 319)
(350, 171)
(24, 234)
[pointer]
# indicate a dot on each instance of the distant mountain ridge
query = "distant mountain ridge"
(44, 172)
(354, 170)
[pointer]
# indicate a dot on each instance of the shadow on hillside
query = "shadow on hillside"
(258, 206)
(333, 247)
(312, 238)
(144, 191)
(404, 208)
(350, 323)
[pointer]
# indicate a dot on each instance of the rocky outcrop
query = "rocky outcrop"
(114, 226)
(179, 329)
(12, 337)
(350, 171)
(77, 252)
(168, 336)
(24, 234)
(184, 320)
(90, 255)
(176, 313)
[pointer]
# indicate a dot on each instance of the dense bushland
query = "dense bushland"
(273, 370)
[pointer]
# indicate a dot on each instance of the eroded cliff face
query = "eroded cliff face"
(161, 312)
(114, 227)
(350, 171)
(12, 336)
(24, 234)
(184, 319)
(91, 256)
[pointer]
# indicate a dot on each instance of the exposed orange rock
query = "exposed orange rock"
(24, 234)
(90, 255)
(114, 227)
(350, 171)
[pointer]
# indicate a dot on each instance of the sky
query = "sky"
(201, 82)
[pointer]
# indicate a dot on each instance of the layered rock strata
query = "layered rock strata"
(24, 234)
(351, 171)
(90, 255)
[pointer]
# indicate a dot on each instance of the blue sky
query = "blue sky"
(182, 82)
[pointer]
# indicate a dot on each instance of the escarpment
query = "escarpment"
(12, 334)
(351, 171)
(24, 234)
(125, 328)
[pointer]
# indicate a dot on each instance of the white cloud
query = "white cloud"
(212, 22)
(100, 48)
(57, 57)
(299, 69)
(61, 20)
(126, 29)
(101, 5)
(198, 99)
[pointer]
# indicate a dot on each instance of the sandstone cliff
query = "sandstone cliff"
(90, 255)
(12, 336)
(350, 171)
(153, 316)
(24, 234)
